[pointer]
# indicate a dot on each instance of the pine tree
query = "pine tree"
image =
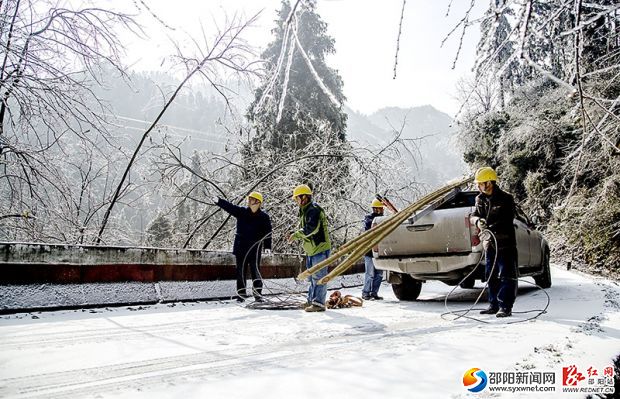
(159, 232)
(298, 120)
(306, 107)
(494, 50)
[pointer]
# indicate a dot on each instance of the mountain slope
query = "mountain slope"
(438, 158)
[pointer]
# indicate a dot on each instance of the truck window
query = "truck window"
(462, 200)
(519, 214)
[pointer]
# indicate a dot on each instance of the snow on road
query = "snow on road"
(384, 349)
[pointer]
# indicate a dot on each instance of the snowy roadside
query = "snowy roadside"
(385, 349)
(50, 297)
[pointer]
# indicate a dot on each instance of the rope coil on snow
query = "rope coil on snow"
(274, 295)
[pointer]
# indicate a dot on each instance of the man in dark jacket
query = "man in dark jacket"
(253, 234)
(372, 277)
(494, 213)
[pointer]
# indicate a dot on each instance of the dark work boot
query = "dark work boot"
(504, 313)
(490, 310)
(376, 297)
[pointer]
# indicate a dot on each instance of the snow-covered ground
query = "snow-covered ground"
(386, 348)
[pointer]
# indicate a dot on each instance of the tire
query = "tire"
(408, 290)
(544, 278)
(469, 282)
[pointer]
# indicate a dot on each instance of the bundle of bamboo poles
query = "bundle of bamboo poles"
(357, 247)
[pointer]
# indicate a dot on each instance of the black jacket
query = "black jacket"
(499, 211)
(368, 224)
(251, 227)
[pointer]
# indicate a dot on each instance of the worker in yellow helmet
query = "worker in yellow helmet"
(315, 238)
(372, 277)
(253, 235)
(493, 215)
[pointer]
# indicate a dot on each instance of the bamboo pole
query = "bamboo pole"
(393, 220)
(365, 241)
(346, 248)
(374, 239)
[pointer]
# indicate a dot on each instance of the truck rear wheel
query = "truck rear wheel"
(469, 282)
(408, 289)
(544, 278)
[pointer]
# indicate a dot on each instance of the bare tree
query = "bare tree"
(228, 52)
(190, 182)
(50, 63)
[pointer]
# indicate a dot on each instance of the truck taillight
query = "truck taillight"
(475, 240)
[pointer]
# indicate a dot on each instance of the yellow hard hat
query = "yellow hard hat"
(376, 204)
(256, 195)
(302, 189)
(485, 174)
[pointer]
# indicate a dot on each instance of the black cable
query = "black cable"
(463, 312)
(294, 299)
(466, 311)
(282, 299)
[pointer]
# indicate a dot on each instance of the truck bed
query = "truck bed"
(446, 230)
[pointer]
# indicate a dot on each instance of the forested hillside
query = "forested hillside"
(543, 110)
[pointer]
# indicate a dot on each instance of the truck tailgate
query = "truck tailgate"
(441, 231)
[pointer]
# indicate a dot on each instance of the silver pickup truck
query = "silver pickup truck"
(441, 244)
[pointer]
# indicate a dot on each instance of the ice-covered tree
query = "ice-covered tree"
(159, 232)
(53, 128)
(297, 118)
(556, 142)
(301, 96)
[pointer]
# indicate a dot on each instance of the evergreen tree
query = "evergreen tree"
(298, 120)
(495, 50)
(159, 232)
(306, 108)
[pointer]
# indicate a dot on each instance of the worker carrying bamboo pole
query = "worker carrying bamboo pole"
(315, 238)
(357, 247)
(372, 276)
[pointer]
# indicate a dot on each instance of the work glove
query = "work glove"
(267, 251)
(481, 224)
(485, 237)
(291, 237)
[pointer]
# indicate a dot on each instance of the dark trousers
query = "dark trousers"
(248, 259)
(502, 282)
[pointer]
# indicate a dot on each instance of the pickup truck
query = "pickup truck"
(441, 244)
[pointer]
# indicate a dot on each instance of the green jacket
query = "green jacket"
(313, 229)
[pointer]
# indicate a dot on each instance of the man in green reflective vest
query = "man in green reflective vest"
(315, 239)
